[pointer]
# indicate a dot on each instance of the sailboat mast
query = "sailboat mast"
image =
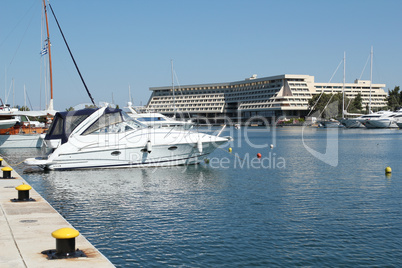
(129, 94)
(50, 58)
(174, 101)
(14, 91)
(371, 76)
(343, 87)
(25, 98)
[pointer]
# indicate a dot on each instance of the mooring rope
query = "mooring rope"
(8, 161)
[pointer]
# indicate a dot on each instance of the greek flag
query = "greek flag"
(43, 52)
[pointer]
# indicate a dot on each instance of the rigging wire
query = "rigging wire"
(9, 91)
(364, 68)
(29, 100)
(72, 57)
(15, 27)
(312, 108)
(23, 36)
(181, 92)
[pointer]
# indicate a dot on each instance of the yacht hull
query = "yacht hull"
(4, 124)
(351, 123)
(118, 157)
(331, 124)
(380, 123)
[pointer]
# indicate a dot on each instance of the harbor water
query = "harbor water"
(318, 198)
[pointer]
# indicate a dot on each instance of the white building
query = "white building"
(282, 95)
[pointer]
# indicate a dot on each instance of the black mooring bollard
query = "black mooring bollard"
(65, 245)
(7, 172)
(23, 192)
(65, 240)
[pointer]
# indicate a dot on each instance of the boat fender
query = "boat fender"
(149, 147)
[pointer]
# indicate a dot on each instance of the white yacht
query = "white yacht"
(109, 138)
(398, 119)
(381, 119)
(18, 131)
(7, 121)
(157, 120)
(7, 118)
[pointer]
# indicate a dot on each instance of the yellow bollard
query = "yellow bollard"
(65, 245)
(23, 192)
(7, 172)
(65, 240)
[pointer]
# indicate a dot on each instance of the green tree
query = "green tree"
(70, 109)
(317, 102)
(91, 106)
(394, 98)
(400, 97)
(357, 103)
(330, 105)
(24, 108)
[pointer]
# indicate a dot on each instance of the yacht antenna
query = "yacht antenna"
(129, 94)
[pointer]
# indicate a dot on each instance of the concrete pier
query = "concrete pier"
(26, 228)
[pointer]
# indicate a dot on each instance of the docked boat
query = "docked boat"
(349, 120)
(381, 119)
(332, 123)
(351, 123)
(399, 122)
(17, 130)
(398, 119)
(7, 119)
(109, 138)
(7, 123)
(157, 120)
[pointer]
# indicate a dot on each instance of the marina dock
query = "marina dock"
(26, 231)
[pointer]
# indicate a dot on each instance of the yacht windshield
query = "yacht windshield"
(65, 122)
(150, 119)
(113, 122)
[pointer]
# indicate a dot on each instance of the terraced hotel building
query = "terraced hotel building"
(283, 95)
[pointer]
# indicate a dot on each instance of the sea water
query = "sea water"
(318, 197)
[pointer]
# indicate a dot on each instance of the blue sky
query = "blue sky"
(125, 43)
